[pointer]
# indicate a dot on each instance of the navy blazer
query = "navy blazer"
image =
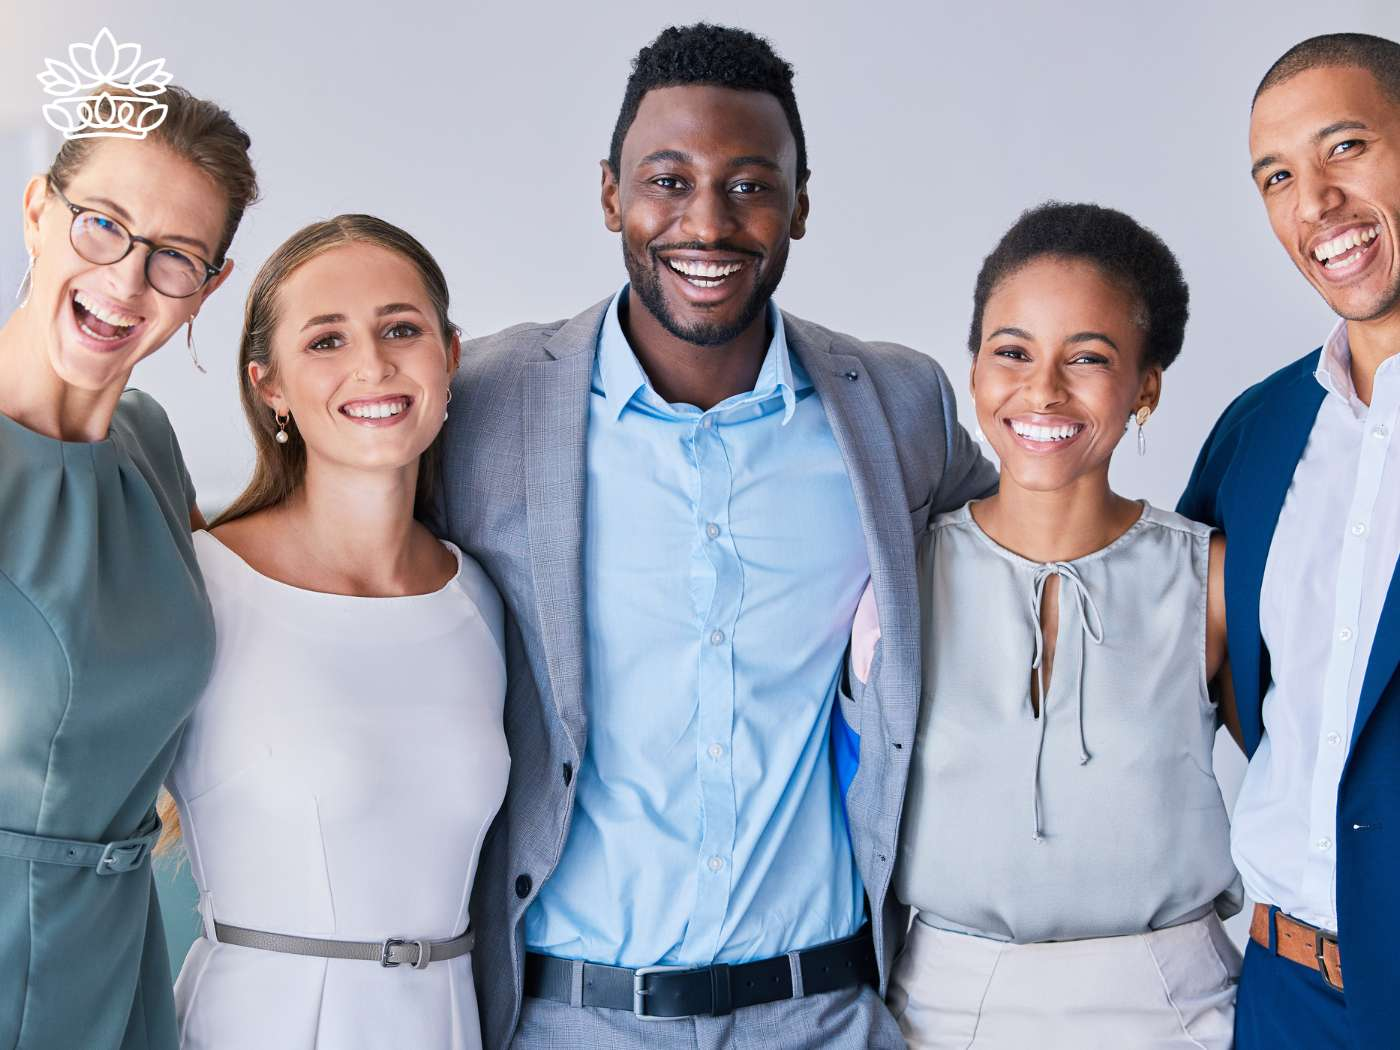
(1239, 485)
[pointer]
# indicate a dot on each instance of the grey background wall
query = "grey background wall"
(930, 126)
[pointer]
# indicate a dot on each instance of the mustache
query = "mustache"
(700, 246)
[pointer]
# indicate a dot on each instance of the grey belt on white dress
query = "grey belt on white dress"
(392, 951)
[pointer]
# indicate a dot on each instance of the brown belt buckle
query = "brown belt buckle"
(1323, 938)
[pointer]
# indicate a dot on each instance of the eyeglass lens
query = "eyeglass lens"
(100, 239)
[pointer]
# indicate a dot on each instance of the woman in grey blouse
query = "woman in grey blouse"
(1064, 841)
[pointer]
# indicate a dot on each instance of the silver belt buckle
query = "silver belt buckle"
(640, 992)
(386, 949)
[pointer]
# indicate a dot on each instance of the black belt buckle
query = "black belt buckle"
(1321, 938)
(640, 991)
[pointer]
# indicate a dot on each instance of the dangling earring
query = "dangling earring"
(189, 341)
(446, 403)
(1141, 417)
(282, 437)
(26, 283)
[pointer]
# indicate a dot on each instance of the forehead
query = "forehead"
(711, 124)
(162, 193)
(350, 278)
(1060, 295)
(1298, 108)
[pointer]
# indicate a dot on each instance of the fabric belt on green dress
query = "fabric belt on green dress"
(105, 858)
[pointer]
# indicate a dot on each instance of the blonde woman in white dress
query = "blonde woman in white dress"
(347, 757)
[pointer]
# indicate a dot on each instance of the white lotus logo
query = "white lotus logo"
(129, 113)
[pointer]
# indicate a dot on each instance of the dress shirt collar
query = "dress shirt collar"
(1334, 370)
(621, 379)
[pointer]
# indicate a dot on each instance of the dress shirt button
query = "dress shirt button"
(1344, 634)
(523, 885)
(1359, 529)
(1380, 431)
(715, 863)
(1324, 844)
(712, 530)
(1334, 738)
(716, 751)
(707, 422)
(716, 637)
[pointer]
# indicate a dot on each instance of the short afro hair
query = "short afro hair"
(1375, 54)
(1116, 243)
(717, 56)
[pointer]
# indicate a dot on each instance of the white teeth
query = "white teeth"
(1039, 433)
(708, 274)
(102, 313)
(376, 409)
(1328, 251)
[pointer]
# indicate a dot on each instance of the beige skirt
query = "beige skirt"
(1171, 989)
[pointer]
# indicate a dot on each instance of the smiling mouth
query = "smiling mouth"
(704, 274)
(1045, 435)
(377, 409)
(1344, 250)
(101, 321)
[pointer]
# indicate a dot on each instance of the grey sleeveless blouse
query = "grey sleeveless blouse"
(1101, 817)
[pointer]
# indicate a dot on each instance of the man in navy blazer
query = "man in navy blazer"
(1302, 472)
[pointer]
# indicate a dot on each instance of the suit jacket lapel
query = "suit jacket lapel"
(1385, 657)
(1263, 472)
(863, 435)
(555, 421)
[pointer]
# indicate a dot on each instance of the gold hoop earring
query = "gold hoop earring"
(189, 341)
(282, 437)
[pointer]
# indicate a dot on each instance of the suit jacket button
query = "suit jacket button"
(523, 886)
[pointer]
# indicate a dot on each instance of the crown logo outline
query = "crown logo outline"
(130, 113)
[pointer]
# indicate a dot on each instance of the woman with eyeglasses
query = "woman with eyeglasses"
(106, 635)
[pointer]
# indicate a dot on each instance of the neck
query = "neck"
(1057, 525)
(357, 526)
(684, 373)
(1372, 342)
(34, 396)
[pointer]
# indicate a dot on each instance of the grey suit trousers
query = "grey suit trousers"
(849, 1019)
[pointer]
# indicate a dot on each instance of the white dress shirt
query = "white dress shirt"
(1328, 572)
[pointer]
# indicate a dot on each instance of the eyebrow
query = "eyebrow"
(1017, 333)
(1078, 337)
(675, 156)
(174, 238)
(389, 308)
(1323, 133)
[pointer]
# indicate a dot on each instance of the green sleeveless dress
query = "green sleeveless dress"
(106, 640)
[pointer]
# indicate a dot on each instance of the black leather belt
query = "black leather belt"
(662, 993)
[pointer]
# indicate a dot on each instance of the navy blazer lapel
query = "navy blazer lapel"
(1385, 657)
(1261, 477)
(555, 421)
(863, 435)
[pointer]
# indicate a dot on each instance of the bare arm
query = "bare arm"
(197, 522)
(1222, 687)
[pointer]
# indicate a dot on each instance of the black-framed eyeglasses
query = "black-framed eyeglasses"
(101, 239)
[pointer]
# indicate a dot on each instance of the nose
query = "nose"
(126, 278)
(1317, 195)
(708, 217)
(1045, 387)
(373, 364)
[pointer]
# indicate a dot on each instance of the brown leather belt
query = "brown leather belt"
(1298, 942)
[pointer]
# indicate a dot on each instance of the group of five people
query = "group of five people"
(654, 664)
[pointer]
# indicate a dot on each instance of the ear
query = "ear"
(611, 197)
(1150, 390)
(454, 353)
(213, 285)
(801, 211)
(36, 195)
(271, 394)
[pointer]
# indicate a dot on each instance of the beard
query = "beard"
(644, 274)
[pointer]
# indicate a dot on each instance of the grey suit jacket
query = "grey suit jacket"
(511, 494)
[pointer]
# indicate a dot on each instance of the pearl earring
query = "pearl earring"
(282, 437)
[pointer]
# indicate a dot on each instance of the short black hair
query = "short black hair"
(1375, 54)
(1122, 248)
(718, 56)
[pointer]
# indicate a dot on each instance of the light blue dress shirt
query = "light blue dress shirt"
(723, 560)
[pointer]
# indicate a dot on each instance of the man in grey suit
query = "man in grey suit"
(681, 494)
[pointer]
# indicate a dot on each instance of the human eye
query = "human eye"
(747, 187)
(1011, 353)
(1276, 177)
(402, 330)
(1348, 146)
(328, 341)
(1089, 359)
(666, 182)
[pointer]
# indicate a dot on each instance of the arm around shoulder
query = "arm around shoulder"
(967, 474)
(1218, 678)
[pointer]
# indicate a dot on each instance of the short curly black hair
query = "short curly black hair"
(1122, 248)
(1375, 54)
(720, 56)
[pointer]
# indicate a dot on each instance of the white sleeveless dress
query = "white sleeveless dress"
(336, 781)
